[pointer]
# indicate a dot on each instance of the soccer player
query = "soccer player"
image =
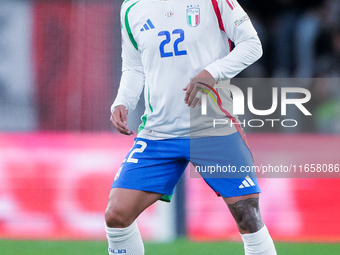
(176, 49)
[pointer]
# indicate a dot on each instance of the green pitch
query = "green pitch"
(178, 247)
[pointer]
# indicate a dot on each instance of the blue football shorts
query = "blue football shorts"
(224, 163)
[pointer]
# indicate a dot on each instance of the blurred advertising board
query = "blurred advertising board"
(56, 186)
(302, 207)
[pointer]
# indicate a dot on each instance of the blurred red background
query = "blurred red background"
(56, 186)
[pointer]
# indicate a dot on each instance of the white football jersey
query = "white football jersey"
(168, 42)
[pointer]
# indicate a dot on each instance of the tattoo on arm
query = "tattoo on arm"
(247, 214)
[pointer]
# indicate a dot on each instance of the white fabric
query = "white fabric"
(125, 240)
(129, 95)
(258, 243)
(206, 46)
(244, 54)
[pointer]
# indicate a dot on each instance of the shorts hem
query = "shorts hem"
(164, 198)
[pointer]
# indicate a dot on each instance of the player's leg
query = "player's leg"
(149, 172)
(123, 208)
(125, 205)
(228, 157)
(246, 212)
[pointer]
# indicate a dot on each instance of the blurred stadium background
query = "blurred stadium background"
(59, 73)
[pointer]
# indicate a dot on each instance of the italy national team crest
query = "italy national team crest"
(193, 16)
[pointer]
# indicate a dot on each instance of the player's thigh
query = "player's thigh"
(154, 166)
(232, 200)
(125, 205)
(221, 161)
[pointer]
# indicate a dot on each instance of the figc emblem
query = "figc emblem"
(193, 16)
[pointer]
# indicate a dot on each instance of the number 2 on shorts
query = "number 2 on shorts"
(138, 150)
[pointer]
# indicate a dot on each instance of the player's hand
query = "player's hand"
(119, 120)
(194, 88)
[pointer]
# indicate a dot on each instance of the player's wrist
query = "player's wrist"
(213, 70)
(120, 106)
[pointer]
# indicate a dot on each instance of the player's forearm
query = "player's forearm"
(131, 86)
(244, 54)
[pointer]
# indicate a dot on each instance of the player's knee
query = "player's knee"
(116, 218)
(247, 214)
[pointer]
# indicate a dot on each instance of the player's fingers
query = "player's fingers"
(117, 121)
(120, 129)
(192, 97)
(114, 123)
(197, 99)
(123, 131)
(188, 89)
(191, 92)
(123, 116)
(117, 118)
(194, 102)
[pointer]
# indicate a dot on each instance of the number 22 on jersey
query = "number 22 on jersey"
(167, 40)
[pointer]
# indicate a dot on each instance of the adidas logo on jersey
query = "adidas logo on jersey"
(248, 182)
(147, 26)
